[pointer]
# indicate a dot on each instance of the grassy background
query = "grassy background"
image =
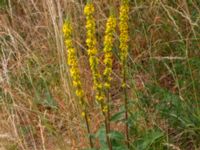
(38, 109)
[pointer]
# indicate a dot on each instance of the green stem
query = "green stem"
(88, 129)
(108, 112)
(126, 104)
(106, 126)
(87, 122)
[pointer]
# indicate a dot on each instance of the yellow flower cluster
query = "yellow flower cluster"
(105, 109)
(108, 45)
(91, 42)
(123, 27)
(72, 59)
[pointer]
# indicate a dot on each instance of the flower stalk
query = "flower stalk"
(124, 38)
(72, 62)
(91, 42)
(108, 58)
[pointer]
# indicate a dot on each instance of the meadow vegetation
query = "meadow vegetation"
(101, 74)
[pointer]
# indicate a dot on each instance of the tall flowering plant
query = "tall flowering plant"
(124, 38)
(72, 62)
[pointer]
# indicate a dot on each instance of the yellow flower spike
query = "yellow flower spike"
(124, 38)
(91, 42)
(72, 59)
(123, 27)
(108, 46)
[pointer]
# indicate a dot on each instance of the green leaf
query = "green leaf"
(147, 140)
(117, 117)
(118, 140)
(101, 135)
(115, 135)
(49, 100)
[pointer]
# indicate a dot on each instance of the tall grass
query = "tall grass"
(38, 106)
